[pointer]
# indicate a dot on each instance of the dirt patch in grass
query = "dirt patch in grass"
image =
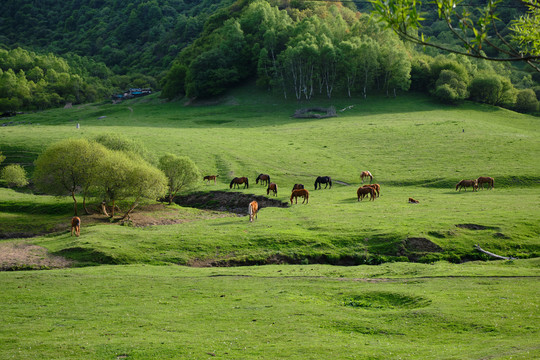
(160, 214)
(234, 202)
(22, 256)
(419, 244)
(476, 227)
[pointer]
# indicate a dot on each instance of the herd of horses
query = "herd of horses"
(372, 191)
(476, 183)
(298, 191)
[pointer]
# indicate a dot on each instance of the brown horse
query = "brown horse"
(364, 191)
(272, 187)
(76, 226)
(300, 193)
(265, 179)
(464, 184)
(298, 186)
(239, 180)
(253, 208)
(375, 187)
(413, 201)
(485, 180)
(209, 178)
(366, 174)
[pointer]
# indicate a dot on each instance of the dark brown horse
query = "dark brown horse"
(298, 186)
(364, 191)
(265, 179)
(272, 187)
(413, 201)
(253, 208)
(239, 180)
(366, 174)
(300, 193)
(375, 187)
(326, 180)
(464, 184)
(209, 178)
(485, 180)
(76, 226)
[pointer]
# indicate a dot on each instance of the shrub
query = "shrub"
(526, 101)
(14, 175)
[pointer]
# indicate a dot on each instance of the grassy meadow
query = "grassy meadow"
(137, 304)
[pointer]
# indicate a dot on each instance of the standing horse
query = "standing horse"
(375, 187)
(272, 187)
(76, 226)
(366, 174)
(485, 180)
(265, 179)
(300, 193)
(253, 208)
(208, 178)
(464, 184)
(327, 180)
(298, 186)
(239, 180)
(364, 191)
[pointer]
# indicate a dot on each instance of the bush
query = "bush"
(526, 101)
(451, 87)
(14, 175)
(492, 89)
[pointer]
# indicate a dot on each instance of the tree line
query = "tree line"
(109, 169)
(311, 49)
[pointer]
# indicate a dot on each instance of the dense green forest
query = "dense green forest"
(128, 36)
(299, 49)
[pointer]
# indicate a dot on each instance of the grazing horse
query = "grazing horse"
(239, 180)
(272, 187)
(375, 187)
(467, 183)
(366, 174)
(485, 180)
(327, 180)
(364, 191)
(265, 179)
(253, 208)
(209, 178)
(413, 201)
(76, 226)
(300, 193)
(298, 186)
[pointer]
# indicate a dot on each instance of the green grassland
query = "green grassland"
(413, 146)
(141, 306)
(476, 310)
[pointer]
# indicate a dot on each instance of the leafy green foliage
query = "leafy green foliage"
(526, 101)
(14, 175)
(137, 36)
(181, 173)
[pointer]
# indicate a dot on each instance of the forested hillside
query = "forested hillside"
(309, 49)
(128, 36)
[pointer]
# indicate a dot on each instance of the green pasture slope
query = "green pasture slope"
(413, 146)
(133, 309)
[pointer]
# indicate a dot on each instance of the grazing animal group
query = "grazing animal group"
(475, 184)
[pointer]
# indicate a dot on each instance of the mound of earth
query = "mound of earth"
(476, 227)
(418, 244)
(22, 256)
(226, 201)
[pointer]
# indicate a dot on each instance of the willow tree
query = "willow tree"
(68, 167)
(181, 173)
